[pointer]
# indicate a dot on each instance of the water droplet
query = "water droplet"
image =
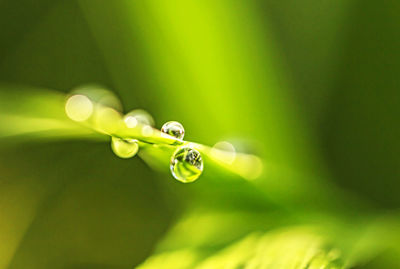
(173, 128)
(186, 164)
(138, 116)
(124, 148)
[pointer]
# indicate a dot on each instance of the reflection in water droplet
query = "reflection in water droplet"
(138, 116)
(186, 164)
(78, 107)
(124, 148)
(173, 128)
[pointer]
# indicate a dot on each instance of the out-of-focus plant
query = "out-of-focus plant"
(204, 238)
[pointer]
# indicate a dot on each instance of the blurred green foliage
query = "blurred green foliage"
(310, 86)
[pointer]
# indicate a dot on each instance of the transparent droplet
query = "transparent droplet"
(124, 148)
(173, 128)
(186, 164)
(138, 116)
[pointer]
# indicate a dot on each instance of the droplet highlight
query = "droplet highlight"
(186, 164)
(173, 128)
(124, 148)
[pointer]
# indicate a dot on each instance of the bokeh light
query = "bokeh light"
(224, 152)
(141, 116)
(79, 107)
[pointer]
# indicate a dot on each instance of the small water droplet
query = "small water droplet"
(124, 148)
(186, 164)
(173, 128)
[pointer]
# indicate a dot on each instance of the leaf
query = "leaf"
(293, 247)
(207, 238)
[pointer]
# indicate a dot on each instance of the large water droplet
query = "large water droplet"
(186, 164)
(173, 128)
(124, 148)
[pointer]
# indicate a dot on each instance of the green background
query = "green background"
(310, 86)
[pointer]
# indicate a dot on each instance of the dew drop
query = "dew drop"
(124, 148)
(186, 164)
(173, 128)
